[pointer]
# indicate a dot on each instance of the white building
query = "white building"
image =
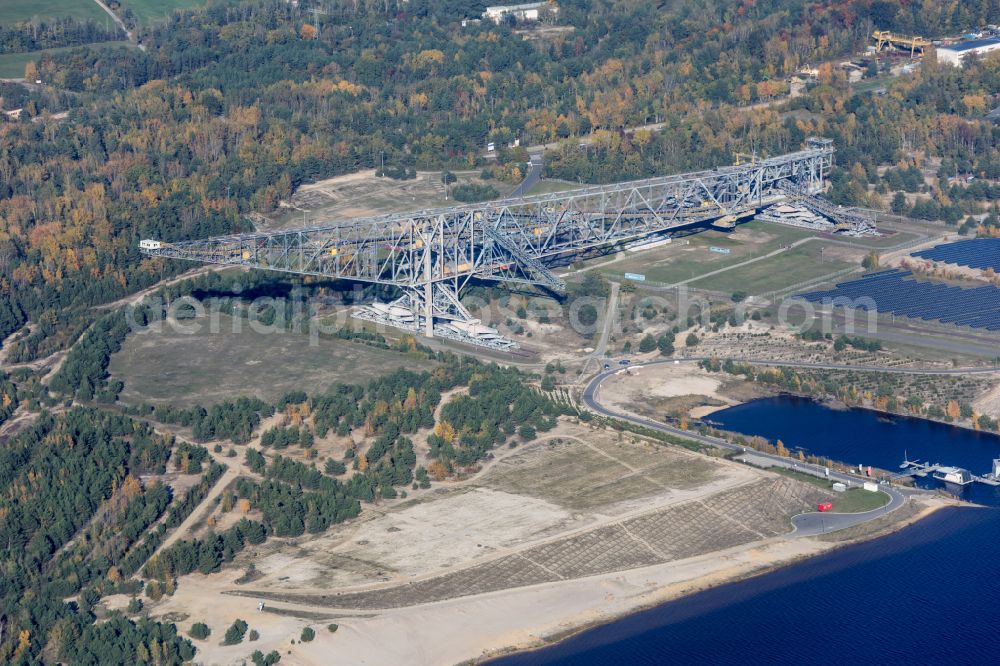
(956, 53)
(531, 11)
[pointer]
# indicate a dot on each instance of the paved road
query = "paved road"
(534, 175)
(607, 324)
(814, 522)
(807, 524)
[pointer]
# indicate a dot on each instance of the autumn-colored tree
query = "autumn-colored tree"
(437, 470)
(445, 431)
(411, 399)
(953, 410)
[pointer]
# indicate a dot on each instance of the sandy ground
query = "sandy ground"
(362, 194)
(522, 497)
(470, 628)
(647, 386)
(461, 629)
(989, 403)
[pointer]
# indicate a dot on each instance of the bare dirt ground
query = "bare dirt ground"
(573, 479)
(471, 627)
(364, 194)
(989, 403)
(682, 388)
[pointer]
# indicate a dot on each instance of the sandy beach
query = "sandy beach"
(476, 628)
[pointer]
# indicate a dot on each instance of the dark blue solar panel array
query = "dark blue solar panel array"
(980, 253)
(891, 291)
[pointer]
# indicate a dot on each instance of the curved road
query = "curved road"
(534, 175)
(806, 524)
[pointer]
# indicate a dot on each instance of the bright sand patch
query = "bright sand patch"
(644, 384)
(472, 628)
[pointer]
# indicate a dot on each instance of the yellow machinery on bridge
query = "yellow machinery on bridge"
(885, 38)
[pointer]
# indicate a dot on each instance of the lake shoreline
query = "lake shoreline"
(718, 579)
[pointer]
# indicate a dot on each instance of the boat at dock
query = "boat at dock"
(955, 475)
(992, 478)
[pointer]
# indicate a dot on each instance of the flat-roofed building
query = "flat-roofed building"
(957, 53)
(531, 11)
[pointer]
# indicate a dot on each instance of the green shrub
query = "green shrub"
(200, 631)
(235, 633)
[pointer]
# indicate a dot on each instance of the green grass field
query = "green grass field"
(857, 500)
(148, 11)
(14, 11)
(868, 85)
(885, 241)
(550, 186)
(690, 257)
(786, 269)
(12, 64)
(854, 500)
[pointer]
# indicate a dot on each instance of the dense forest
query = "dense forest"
(72, 507)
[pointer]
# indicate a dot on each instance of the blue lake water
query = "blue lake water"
(927, 594)
(863, 436)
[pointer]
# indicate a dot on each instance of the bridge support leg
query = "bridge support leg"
(429, 309)
(421, 306)
(428, 296)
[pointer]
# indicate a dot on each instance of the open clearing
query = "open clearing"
(594, 473)
(14, 11)
(205, 367)
(363, 194)
(656, 390)
(148, 11)
(573, 479)
(581, 503)
(690, 256)
(579, 513)
(805, 262)
(749, 512)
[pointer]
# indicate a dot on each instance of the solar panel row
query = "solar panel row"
(891, 291)
(979, 253)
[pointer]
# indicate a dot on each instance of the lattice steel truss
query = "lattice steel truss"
(431, 254)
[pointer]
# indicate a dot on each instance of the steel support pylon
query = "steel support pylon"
(436, 310)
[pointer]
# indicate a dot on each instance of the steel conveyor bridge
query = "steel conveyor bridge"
(431, 254)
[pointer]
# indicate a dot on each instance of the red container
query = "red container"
(825, 506)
